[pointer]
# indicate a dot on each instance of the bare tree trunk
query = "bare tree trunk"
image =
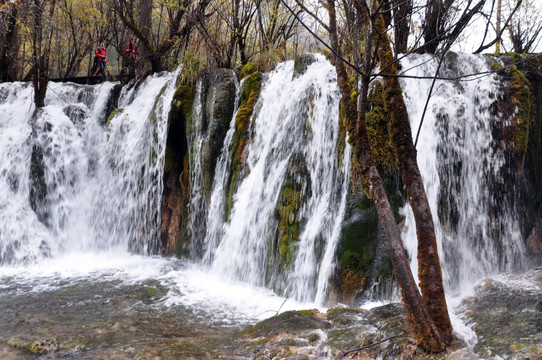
(429, 270)
(401, 14)
(426, 333)
(40, 77)
(145, 25)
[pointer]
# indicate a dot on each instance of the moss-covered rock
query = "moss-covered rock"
(150, 292)
(250, 92)
(518, 112)
(520, 139)
(289, 321)
(181, 106)
(112, 103)
(247, 69)
(112, 116)
(38, 347)
(295, 188)
(218, 100)
(176, 192)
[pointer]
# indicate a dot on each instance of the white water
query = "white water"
(293, 117)
(101, 184)
(460, 162)
(207, 295)
(198, 205)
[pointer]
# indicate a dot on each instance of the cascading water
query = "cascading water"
(198, 206)
(460, 163)
(70, 182)
(79, 195)
(294, 144)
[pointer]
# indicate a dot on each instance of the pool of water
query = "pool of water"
(126, 306)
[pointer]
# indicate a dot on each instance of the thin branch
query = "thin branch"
(498, 37)
(369, 346)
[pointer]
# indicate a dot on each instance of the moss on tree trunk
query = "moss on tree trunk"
(427, 334)
(429, 270)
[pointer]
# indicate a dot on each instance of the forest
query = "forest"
(59, 37)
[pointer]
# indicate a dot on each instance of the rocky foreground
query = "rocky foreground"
(505, 313)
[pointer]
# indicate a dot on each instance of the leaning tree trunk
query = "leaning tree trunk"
(427, 334)
(429, 270)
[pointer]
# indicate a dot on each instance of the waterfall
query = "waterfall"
(198, 206)
(293, 144)
(461, 163)
(74, 178)
(72, 181)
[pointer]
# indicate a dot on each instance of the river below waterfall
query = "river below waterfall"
(119, 306)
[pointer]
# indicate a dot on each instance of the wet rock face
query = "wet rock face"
(366, 272)
(176, 190)
(295, 189)
(302, 63)
(218, 106)
(218, 101)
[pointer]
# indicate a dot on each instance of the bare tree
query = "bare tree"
(182, 16)
(9, 40)
(526, 28)
(42, 33)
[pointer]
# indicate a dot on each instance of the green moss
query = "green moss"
(335, 312)
(533, 71)
(518, 93)
(149, 293)
(288, 228)
(249, 95)
(496, 66)
(358, 237)
(38, 347)
(181, 106)
(352, 282)
(386, 268)
(379, 120)
(305, 312)
(247, 69)
(112, 115)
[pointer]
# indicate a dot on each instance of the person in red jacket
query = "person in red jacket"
(131, 54)
(100, 57)
(130, 50)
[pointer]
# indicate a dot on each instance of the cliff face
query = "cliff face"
(531, 67)
(217, 101)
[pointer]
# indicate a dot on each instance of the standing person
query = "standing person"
(100, 56)
(130, 50)
(131, 54)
